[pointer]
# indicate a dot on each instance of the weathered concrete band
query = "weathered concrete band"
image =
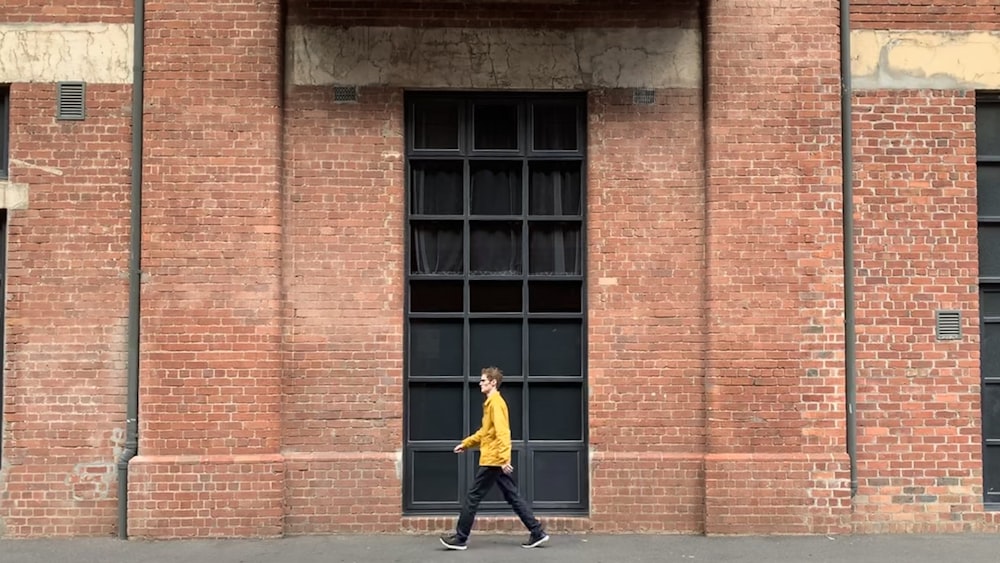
(534, 59)
(537, 59)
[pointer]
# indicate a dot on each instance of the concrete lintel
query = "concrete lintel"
(495, 58)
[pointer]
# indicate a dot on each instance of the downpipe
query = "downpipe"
(135, 271)
(847, 160)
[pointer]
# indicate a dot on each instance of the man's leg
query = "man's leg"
(485, 478)
(509, 489)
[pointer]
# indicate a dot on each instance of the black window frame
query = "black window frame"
(988, 157)
(517, 387)
(4, 131)
(4, 175)
(4, 216)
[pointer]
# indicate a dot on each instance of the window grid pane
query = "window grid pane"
(4, 129)
(502, 282)
(988, 198)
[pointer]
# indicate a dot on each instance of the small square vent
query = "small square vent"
(948, 325)
(643, 96)
(345, 94)
(70, 100)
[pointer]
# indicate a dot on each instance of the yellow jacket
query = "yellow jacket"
(493, 436)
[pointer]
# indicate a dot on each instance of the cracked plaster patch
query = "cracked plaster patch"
(495, 58)
(96, 52)
(13, 196)
(935, 60)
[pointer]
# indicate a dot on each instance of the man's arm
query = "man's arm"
(475, 439)
(501, 424)
(472, 441)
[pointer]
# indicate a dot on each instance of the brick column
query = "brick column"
(775, 435)
(210, 400)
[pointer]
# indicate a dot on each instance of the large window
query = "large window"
(495, 261)
(4, 159)
(3, 314)
(988, 196)
(4, 129)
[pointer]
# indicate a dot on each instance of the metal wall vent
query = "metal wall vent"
(643, 96)
(345, 93)
(948, 325)
(70, 100)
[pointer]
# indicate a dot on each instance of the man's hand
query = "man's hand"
(508, 469)
(459, 449)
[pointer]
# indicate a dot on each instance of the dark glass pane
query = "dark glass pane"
(495, 247)
(495, 127)
(436, 188)
(435, 296)
(557, 476)
(989, 360)
(989, 250)
(435, 477)
(495, 496)
(435, 347)
(435, 125)
(512, 395)
(988, 129)
(991, 410)
(555, 188)
(555, 411)
(554, 348)
(990, 303)
(495, 296)
(436, 247)
(555, 248)
(495, 343)
(991, 473)
(496, 188)
(555, 297)
(555, 127)
(435, 411)
(4, 131)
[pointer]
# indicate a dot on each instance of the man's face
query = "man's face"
(486, 384)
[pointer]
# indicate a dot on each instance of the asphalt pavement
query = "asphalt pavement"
(959, 548)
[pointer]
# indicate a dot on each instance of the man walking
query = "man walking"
(493, 439)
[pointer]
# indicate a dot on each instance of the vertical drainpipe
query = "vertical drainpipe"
(847, 158)
(134, 271)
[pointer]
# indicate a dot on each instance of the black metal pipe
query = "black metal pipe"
(847, 162)
(134, 271)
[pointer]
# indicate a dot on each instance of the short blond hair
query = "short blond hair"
(493, 373)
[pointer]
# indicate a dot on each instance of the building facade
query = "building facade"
(256, 252)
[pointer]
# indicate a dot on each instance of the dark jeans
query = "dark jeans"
(485, 478)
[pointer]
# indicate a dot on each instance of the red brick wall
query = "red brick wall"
(211, 332)
(273, 285)
(953, 15)
(66, 11)
(345, 280)
(646, 298)
(343, 255)
(66, 308)
(919, 419)
(775, 300)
